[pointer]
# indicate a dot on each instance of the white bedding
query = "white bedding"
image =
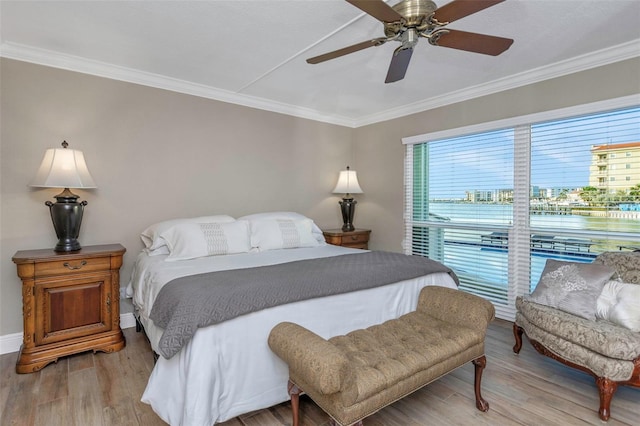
(228, 369)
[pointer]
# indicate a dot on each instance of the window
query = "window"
(471, 185)
(495, 204)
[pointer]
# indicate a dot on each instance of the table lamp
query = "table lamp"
(65, 168)
(347, 184)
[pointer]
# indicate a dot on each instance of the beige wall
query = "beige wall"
(380, 153)
(154, 155)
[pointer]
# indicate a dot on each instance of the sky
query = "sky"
(560, 154)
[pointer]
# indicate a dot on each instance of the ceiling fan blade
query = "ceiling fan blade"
(399, 65)
(378, 9)
(347, 50)
(458, 9)
(472, 42)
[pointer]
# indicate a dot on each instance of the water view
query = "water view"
(576, 180)
(501, 215)
(479, 257)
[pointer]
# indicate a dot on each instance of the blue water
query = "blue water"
(474, 261)
(500, 214)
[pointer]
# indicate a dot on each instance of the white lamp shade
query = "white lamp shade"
(347, 183)
(63, 168)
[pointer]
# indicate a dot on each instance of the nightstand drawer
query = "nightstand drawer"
(358, 238)
(362, 246)
(355, 239)
(71, 266)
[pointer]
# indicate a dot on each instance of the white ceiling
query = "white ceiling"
(253, 52)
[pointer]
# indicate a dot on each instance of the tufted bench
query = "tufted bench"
(351, 377)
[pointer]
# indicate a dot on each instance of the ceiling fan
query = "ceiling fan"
(409, 20)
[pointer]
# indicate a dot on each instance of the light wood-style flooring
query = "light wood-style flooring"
(526, 389)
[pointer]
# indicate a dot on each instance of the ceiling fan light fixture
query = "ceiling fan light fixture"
(409, 20)
(409, 38)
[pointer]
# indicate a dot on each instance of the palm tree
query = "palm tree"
(634, 193)
(589, 194)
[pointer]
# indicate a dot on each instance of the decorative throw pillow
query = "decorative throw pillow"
(315, 230)
(619, 303)
(571, 287)
(151, 236)
(272, 234)
(194, 240)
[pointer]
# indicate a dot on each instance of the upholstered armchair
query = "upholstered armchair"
(605, 342)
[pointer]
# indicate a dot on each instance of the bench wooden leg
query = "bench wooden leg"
(294, 392)
(517, 333)
(479, 364)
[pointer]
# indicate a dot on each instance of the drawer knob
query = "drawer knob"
(354, 237)
(74, 267)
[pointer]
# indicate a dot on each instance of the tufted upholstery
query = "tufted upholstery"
(609, 352)
(355, 375)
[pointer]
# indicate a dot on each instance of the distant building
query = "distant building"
(615, 167)
(480, 196)
(504, 195)
(535, 191)
(556, 192)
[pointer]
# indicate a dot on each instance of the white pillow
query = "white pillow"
(157, 252)
(272, 234)
(620, 303)
(193, 240)
(151, 236)
(315, 230)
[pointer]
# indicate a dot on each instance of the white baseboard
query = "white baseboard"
(11, 342)
(127, 320)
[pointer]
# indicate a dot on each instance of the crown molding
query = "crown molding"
(585, 62)
(53, 59)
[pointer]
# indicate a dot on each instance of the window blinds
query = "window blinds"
(495, 205)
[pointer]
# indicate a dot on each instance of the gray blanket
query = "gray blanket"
(188, 303)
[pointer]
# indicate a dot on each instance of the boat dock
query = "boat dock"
(544, 244)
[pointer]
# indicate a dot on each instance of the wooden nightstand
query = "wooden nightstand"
(70, 303)
(359, 238)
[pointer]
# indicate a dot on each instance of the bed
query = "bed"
(227, 369)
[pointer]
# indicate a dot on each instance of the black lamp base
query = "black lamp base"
(66, 215)
(348, 208)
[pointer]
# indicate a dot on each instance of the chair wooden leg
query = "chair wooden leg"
(479, 364)
(606, 389)
(294, 392)
(517, 333)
